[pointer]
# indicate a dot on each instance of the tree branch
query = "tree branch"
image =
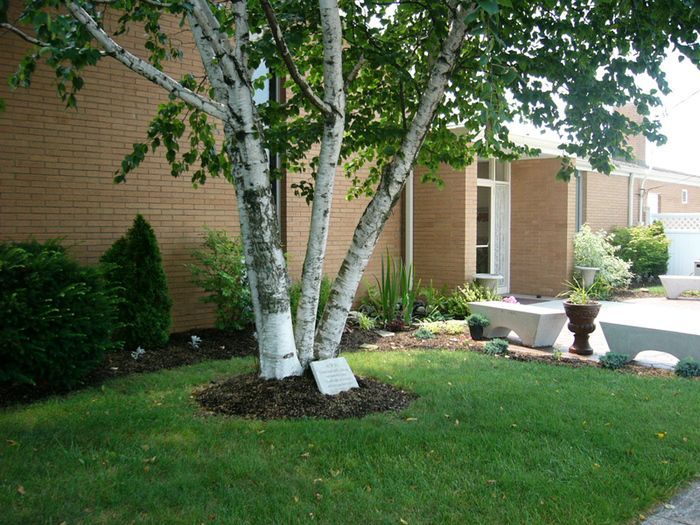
(143, 68)
(289, 61)
(24, 36)
(355, 71)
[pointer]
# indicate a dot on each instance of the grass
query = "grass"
(658, 291)
(489, 441)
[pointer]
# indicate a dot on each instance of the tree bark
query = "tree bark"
(334, 126)
(392, 182)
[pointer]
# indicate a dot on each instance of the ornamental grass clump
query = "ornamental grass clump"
(57, 318)
(133, 265)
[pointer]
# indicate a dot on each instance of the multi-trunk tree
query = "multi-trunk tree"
(376, 84)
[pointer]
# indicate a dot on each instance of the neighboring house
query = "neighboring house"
(56, 170)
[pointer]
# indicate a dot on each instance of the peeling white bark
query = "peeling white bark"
(334, 96)
(142, 67)
(379, 209)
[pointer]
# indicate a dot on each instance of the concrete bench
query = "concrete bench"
(677, 284)
(633, 336)
(536, 326)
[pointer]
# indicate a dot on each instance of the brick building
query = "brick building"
(56, 169)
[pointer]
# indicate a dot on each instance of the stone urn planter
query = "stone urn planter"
(582, 324)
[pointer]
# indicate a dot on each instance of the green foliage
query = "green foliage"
(423, 334)
(134, 265)
(496, 347)
(565, 88)
(457, 304)
(366, 322)
(323, 295)
(394, 295)
(687, 367)
(221, 272)
(614, 360)
(645, 247)
(434, 301)
(578, 293)
(449, 327)
(595, 250)
(56, 317)
(476, 320)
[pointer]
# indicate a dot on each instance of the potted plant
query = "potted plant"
(477, 323)
(581, 308)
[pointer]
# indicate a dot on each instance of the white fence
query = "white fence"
(683, 229)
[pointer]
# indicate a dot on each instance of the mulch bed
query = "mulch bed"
(293, 397)
(215, 344)
(356, 340)
(252, 397)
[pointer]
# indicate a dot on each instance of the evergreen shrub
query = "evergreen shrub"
(133, 264)
(56, 317)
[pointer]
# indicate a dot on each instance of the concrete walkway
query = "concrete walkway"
(683, 509)
(673, 313)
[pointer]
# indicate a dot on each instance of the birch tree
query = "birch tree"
(375, 84)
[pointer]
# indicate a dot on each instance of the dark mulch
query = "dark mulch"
(216, 344)
(252, 397)
(356, 340)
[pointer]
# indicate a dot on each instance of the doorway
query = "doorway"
(493, 220)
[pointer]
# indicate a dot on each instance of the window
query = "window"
(684, 196)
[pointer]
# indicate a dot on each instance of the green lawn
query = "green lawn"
(489, 441)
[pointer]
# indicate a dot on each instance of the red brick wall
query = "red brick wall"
(606, 201)
(542, 227)
(445, 227)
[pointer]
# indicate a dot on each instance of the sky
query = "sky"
(680, 117)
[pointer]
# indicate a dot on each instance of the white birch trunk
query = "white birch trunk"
(334, 96)
(379, 209)
(266, 267)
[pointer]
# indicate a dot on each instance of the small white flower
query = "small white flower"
(138, 353)
(194, 341)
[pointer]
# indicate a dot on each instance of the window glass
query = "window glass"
(501, 171)
(482, 169)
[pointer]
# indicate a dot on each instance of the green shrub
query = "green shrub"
(434, 301)
(366, 322)
(496, 347)
(457, 304)
(687, 367)
(423, 334)
(594, 250)
(56, 317)
(478, 320)
(323, 295)
(449, 327)
(645, 247)
(133, 264)
(614, 360)
(221, 272)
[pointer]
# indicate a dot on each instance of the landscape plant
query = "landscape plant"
(687, 367)
(496, 347)
(366, 322)
(220, 271)
(645, 248)
(614, 360)
(134, 267)
(374, 87)
(394, 295)
(423, 334)
(457, 303)
(593, 249)
(57, 318)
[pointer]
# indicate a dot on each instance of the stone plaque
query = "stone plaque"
(333, 376)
